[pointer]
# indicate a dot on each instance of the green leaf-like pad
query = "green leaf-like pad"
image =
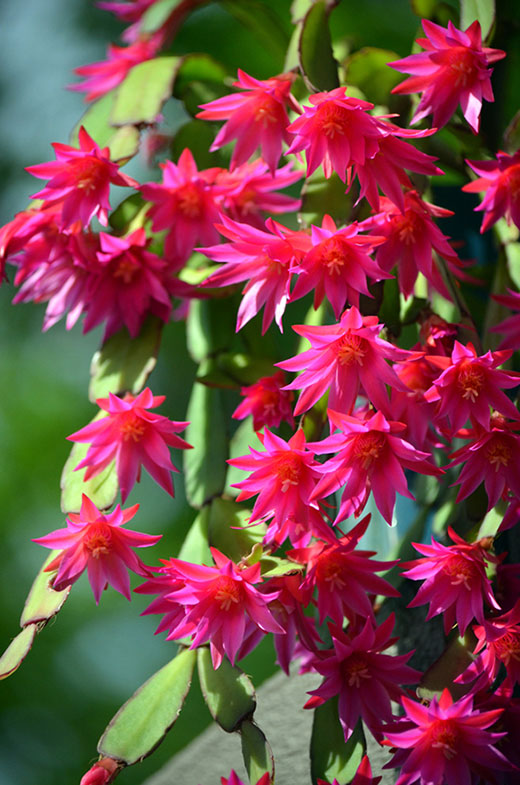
(331, 756)
(229, 529)
(140, 98)
(195, 547)
(17, 651)
(367, 69)
(43, 602)
(123, 364)
(101, 489)
(143, 721)
(123, 142)
(319, 69)
(257, 753)
(205, 464)
(229, 694)
(453, 661)
(482, 10)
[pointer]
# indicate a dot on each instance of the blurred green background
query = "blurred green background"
(89, 660)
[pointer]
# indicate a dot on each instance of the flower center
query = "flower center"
(470, 381)
(368, 448)
(189, 200)
(88, 173)
(352, 349)
(461, 572)
(267, 110)
(98, 541)
(333, 120)
(508, 646)
(331, 569)
(463, 67)
(355, 670)
(406, 227)
(498, 453)
(288, 471)
(126, 269)
(227, 593)
(444, 737)
(334, 255)
(132, 427)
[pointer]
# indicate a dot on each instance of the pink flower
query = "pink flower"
(453, 70)
(234, 779)
(284, 477)
(266, 259)
(500, 182)
(498, 643)
(492, 457)
(133, 437)
(246, 192)
(96, 542)
(267, 402)
(221, 604)
(343, 576)
(79, 180)
(411, 240)
(343, 359)
(337, 132)
(470, 384)
(445, 742)
(185, 205)
(107, 74)
(256, 116)
(365, 680)
(337, 266)
(130, 283)
(369, 457)
(455, 580)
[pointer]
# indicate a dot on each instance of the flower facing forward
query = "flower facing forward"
(134, 437)
(445, 742)
(97, 543)
(221, 605)
(79, 180)
(453, 69)
(499, 180)
(267, 402)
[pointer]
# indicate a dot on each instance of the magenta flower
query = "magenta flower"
(267, 402)
(453, 69)
(343, 359)
(284, 477)
(130, 283)
(185, 205)
(492, 457)
(411, 240)
(343, 576)
(79, 180)
(256, 116)
(470, 384)
(369, 457)
(266, 259)
(234, 779)
(218, 602)
(446, 742)
(336, 132)
(337, 266)
(500, 182)
(455, 580)
(365, 679)
(134, 437)
(245, 193)
(95, 542)
(107, 74)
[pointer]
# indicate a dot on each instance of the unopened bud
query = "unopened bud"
(101, 773)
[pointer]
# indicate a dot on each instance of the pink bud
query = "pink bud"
(101, 773)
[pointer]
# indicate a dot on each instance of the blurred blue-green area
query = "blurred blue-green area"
(89, 660)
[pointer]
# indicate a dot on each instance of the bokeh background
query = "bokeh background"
(88, 661)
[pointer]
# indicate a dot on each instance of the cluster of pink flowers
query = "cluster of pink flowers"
(392, 413)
